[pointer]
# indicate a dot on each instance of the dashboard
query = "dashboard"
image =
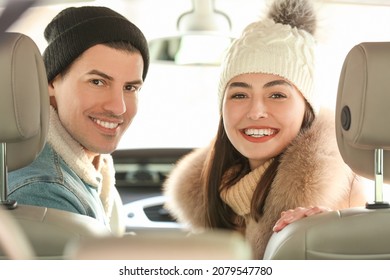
(140, 174)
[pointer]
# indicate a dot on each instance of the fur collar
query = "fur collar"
(311, 172)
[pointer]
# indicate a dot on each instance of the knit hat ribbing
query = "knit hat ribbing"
(74, 30)
(276, 45)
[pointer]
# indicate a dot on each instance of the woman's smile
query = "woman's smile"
(258, 135)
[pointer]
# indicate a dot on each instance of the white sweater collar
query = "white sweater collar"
(74, 155)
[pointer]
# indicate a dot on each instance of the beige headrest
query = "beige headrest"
(24, 99)
(363, 107)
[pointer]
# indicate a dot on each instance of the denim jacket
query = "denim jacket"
(50, 182)
(63, 177)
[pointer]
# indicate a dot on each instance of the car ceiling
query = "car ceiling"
(178, 104)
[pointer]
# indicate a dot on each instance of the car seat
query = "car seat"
(163, 244)
(32, 232)
(363, 137)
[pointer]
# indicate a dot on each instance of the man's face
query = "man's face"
(97, 98)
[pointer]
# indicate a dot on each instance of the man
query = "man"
(96, 62)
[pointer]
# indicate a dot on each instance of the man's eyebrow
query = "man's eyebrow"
(108, 77)
(101, 74)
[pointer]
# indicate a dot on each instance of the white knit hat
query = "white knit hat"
(282, 44)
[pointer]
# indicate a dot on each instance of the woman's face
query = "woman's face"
(262, 114)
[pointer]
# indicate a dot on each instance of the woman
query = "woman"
(274, 150)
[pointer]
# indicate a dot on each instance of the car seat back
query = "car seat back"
(24, 100)
(24, 119)
(363, 137)
(163, 244)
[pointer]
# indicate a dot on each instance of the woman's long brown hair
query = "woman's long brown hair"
(222, 157)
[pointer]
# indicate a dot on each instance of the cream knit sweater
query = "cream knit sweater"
(239, 196)
(103, 179)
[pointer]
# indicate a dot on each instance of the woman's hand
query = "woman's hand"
(292, 215)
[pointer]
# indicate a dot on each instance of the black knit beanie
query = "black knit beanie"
(74, 30)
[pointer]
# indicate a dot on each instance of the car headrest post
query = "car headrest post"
(10, 204)
(378, 203)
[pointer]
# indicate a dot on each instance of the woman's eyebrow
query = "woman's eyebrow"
(267, 85)
(277, 83)
(239, 84)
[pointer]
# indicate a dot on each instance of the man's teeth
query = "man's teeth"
(109, 125)
(259, 132)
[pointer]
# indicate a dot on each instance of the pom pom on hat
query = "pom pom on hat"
(74, 30)
(282, 44)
